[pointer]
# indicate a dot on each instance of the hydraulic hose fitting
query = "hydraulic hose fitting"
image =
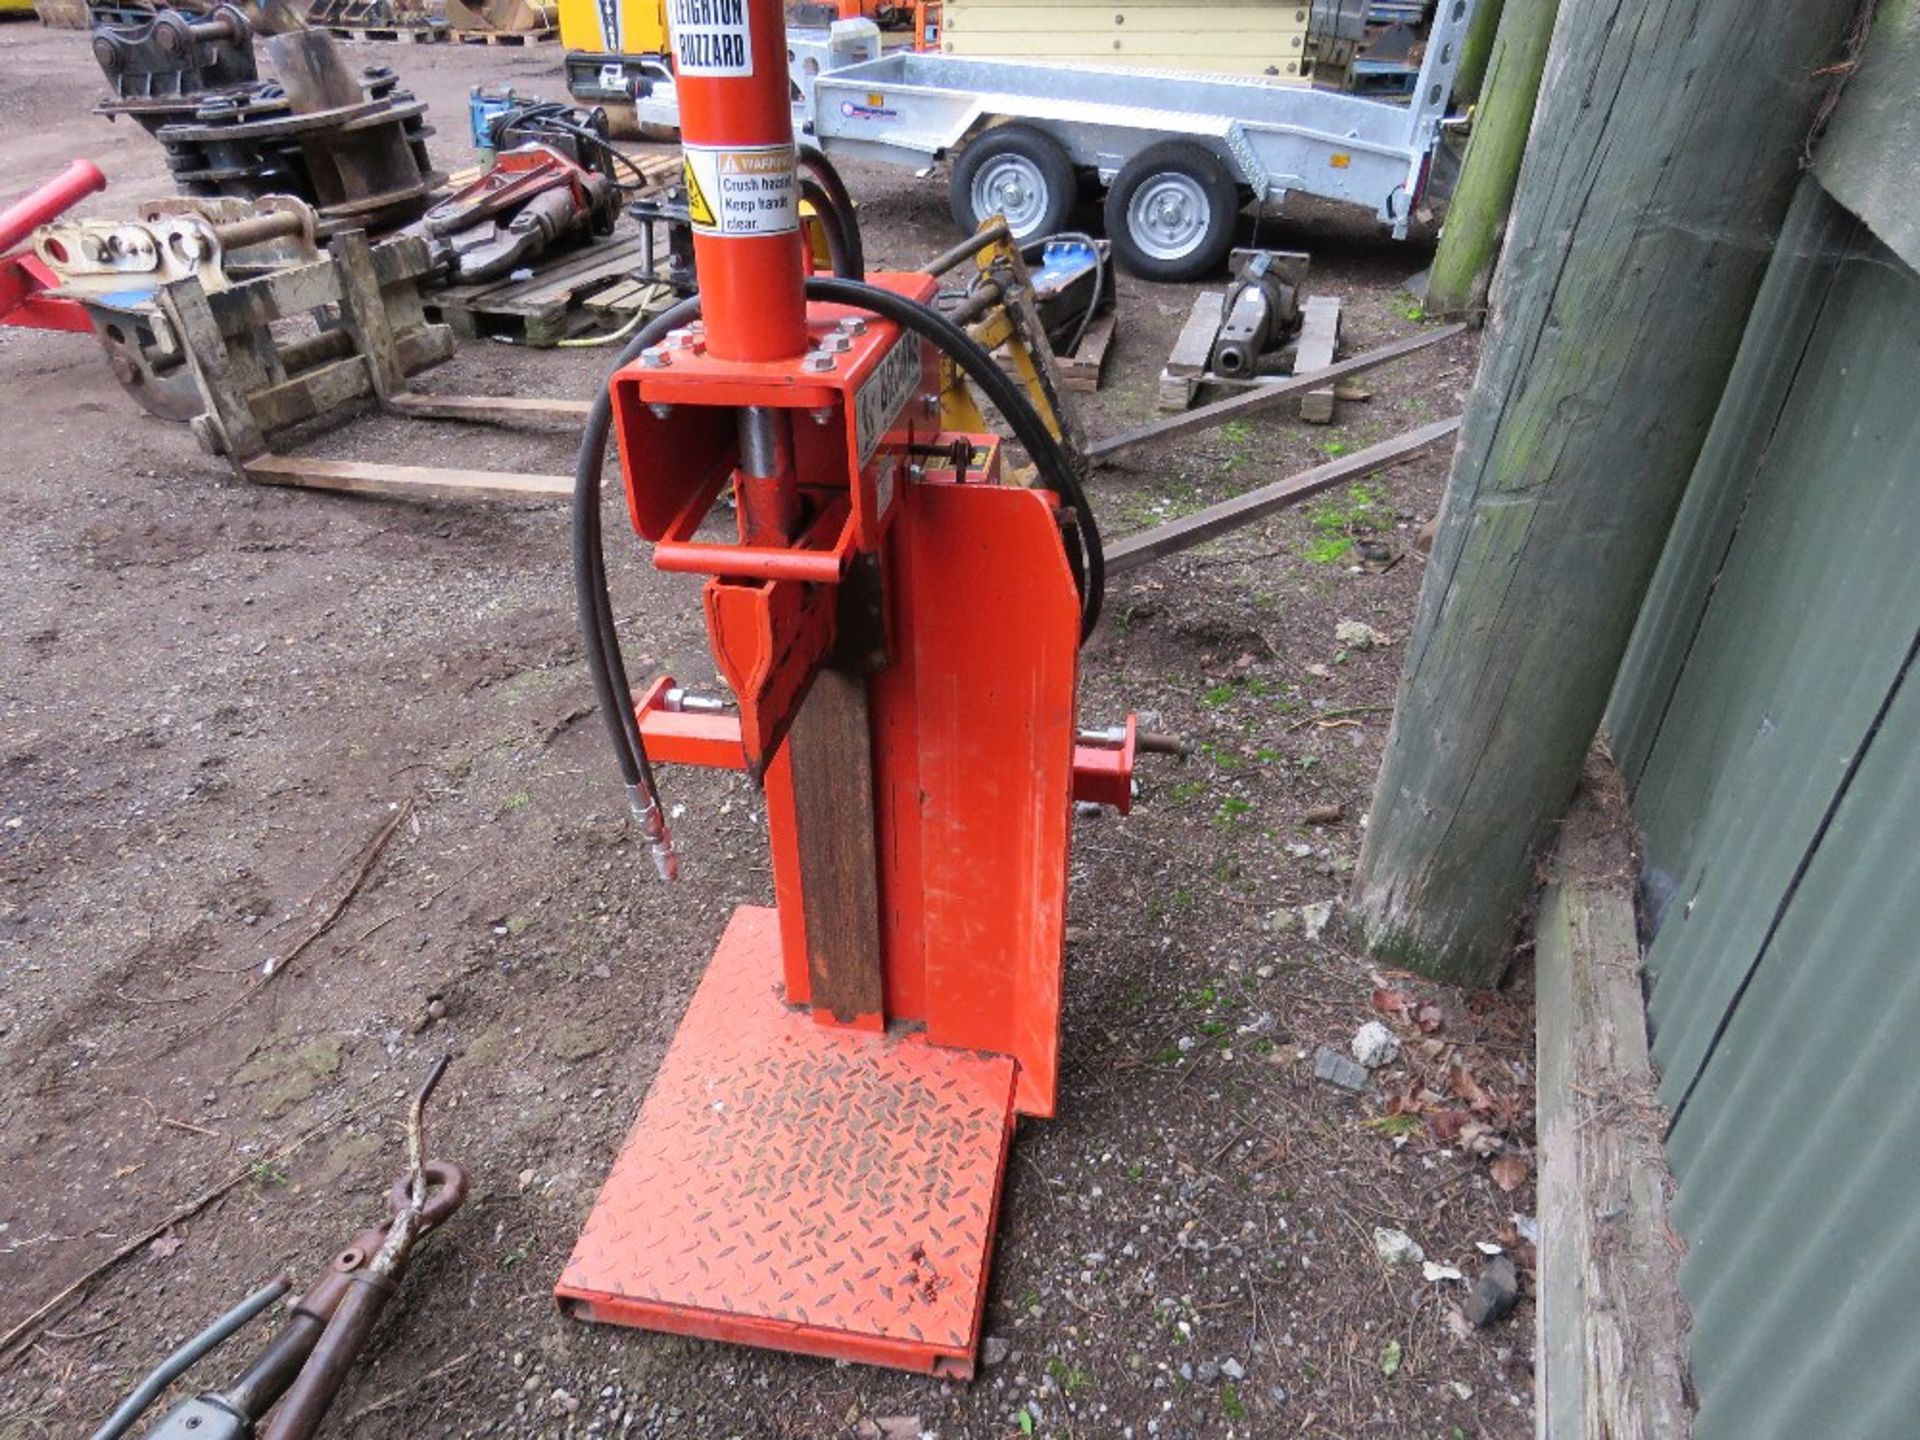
(653, 827)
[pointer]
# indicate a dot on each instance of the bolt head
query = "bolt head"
(835, 344)
(655, 357)
(851, 325)
(817, 363)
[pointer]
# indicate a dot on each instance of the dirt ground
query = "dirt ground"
(217, 698)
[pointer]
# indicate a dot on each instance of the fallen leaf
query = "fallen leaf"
(1446, 1124)
(163, 1246)
(1470, 1090)
(1480, 1140)
(1390, 1359)
(1392, 1002)
(1509, 1170)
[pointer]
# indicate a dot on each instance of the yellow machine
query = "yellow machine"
(616, 52)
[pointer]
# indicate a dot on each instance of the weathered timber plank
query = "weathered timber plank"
(487, 407)
(1319, 338)
(831, 748)
(1080, 371)
(1267, 396)
(1611, 1321)
(404, 482)
(1188, 358)
(1183, 534)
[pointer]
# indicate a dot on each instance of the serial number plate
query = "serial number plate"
(885, 393)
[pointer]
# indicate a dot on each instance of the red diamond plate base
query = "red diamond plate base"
(802, 1187)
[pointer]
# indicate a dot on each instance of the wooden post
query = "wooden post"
(1470, 238)
(1661, 169)
(1476, 50)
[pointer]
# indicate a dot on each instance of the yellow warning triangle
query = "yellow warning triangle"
(698, 210)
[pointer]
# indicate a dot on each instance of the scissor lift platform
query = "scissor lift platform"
(800, 1185)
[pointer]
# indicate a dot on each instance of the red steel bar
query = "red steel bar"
(37, 207)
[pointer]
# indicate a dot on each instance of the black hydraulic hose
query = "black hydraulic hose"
(595, 601)
(814, 161)
(839, 252)
(612, 686)
(1056, 470)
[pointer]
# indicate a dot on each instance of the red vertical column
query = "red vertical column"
(736, 125)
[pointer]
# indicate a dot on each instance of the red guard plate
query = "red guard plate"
(802, 1187)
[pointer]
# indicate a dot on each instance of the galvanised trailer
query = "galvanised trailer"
(1178, 155)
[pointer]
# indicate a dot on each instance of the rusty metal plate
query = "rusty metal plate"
(802, 1187)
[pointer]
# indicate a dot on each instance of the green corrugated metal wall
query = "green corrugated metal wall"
(1768, 719)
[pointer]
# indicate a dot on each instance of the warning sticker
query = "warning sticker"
(710, 37)
(734, 191)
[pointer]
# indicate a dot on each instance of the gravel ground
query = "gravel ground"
(216, 698)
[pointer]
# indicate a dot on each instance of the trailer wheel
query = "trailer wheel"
(1171, 212)
(1016, 171)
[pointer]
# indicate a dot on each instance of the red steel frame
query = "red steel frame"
(22, 277)
(796, 1180)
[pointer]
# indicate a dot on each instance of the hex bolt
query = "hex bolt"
(851, 325)
(817, 362)
(835, 344)
(655, 357)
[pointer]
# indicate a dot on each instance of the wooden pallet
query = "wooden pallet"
(545, 309)
(505, 37)
(425, 34)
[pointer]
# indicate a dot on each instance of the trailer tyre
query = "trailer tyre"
(1016, 171)
(1171, 212)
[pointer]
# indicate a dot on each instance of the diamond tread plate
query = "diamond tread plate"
(801, 1186)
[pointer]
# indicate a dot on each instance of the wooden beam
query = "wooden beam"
(1267, 396)
(831, 748)
(1183, 534)
(487, 408)
(1640, 233)
(1319, 339)
(404, 482)
(1611, 1318)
